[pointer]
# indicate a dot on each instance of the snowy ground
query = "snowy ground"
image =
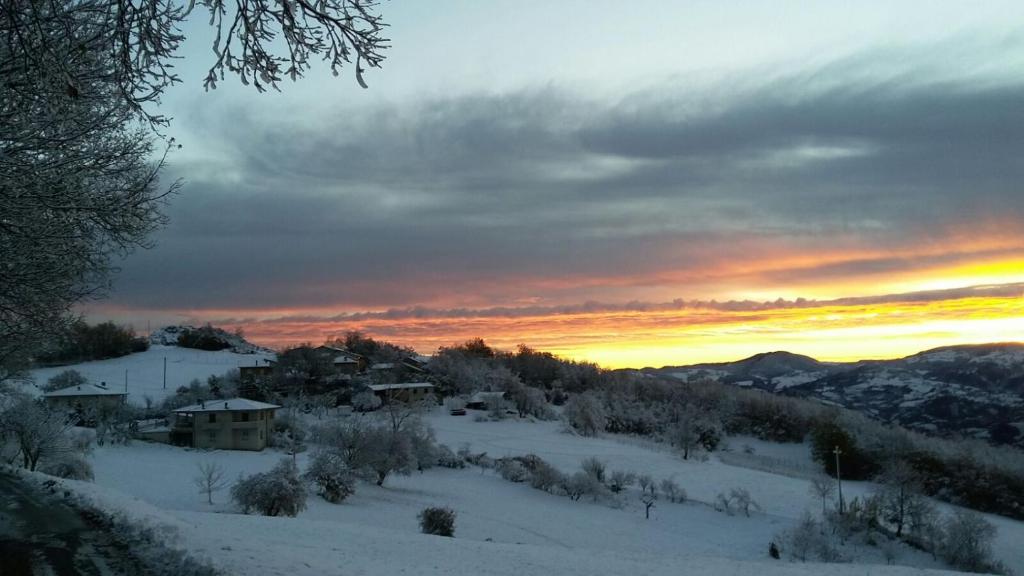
(502, 528)
(145, 370)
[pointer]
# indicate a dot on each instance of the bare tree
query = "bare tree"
(210, 479)
(823, 487)
(79, 147)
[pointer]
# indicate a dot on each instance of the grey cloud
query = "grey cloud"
(480, 195)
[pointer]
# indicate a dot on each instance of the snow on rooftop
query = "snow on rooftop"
(85, 390)
(403, 386)
(231, 404)
(383, 366)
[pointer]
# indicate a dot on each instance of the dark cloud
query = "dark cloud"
(491, 198)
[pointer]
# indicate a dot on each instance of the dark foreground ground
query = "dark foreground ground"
(40, 535)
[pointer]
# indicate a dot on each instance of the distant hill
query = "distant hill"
(204, 338)
(973, 390)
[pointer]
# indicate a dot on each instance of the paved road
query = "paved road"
(41, 536)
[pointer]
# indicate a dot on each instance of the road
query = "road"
(42, 536)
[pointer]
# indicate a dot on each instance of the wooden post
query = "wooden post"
(839, 480)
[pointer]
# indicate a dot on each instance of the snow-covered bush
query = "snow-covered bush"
(511, 470)
(582, 484)
(334, 480)
(594, 468)
(645, 481)
(365, 402)
(673, 491)
(967, 542)
(619, 480)
(279, 492)
(437, 521)
(71, 466)
(545, 477)
(448, 459)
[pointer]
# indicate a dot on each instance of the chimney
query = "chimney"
(202, 403)
(225, 405)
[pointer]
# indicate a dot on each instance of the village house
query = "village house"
(257, 371)
(406, 392)
(83, 397)
(233, 424)
(344, 362)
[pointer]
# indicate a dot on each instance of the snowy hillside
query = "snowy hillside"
(171, 336)
(977, 390)
(145, 370)
(504, 528)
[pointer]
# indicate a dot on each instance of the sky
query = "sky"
(635, 184)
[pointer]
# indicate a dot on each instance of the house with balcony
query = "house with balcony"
(233, 424)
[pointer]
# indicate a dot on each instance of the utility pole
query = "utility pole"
(165, 372)
(839, 479)
(126, 381)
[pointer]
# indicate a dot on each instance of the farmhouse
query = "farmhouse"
(234, 424)
(406, 392)
(85, 396)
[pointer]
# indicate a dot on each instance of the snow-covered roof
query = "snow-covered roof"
(84, 390)
(345, 360)
(403, 386)
(382, 366)
(229, 405)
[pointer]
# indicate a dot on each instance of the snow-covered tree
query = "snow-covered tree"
(278, 492)
(65, 379)
(967, 542)
(365, 402)
(673, 491)
(39, 432)
(335, 481)
(585, 413)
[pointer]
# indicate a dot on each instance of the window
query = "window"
(212, 434)
(212, 419)
(240, 417)
(245, 435)
(245, 416)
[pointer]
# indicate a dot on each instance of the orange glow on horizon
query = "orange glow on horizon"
(618, 339)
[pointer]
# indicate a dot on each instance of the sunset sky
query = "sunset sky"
(633, 183)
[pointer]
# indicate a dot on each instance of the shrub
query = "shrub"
(545, 477)
(511, 470)
(332, 476)
(673, 491)
(448, 459)
(437, 521)
(71, 466)
(278, 492)
(594, 468)
(582, 484)
(620, 480)
(967, 542)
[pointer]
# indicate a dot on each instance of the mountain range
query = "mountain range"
(973, 390)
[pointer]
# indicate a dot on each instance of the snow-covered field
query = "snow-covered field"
(502, 528)
(145, 370)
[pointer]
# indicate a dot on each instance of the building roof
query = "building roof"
(403, 386)
(229, 405)
(88, 389)
(383, 366)
(340, 355)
